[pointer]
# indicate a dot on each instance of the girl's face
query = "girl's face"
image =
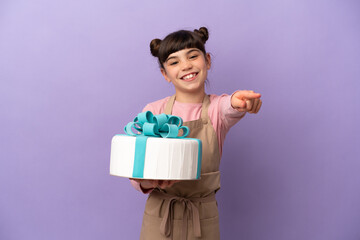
(187, 70)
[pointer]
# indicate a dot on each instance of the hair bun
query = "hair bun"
(154, 46)
(203, 33)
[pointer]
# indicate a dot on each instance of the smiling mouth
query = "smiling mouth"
(189, 77)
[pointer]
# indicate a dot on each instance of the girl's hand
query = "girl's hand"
(148, 184)
(246, 101)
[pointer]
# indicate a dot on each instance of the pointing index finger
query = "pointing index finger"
(248, 95)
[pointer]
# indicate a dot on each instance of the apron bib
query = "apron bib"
(188, 209)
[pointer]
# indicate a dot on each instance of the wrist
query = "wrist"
(231, 100)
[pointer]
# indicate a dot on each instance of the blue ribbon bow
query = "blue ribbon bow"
(161, 125)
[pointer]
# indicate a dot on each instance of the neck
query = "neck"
(190, 97)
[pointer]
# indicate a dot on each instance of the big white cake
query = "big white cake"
(164, 158)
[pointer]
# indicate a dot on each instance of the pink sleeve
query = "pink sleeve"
(148, 107)
(156, 107)
(223, 116)
(229, 115)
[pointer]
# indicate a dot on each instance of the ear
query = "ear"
(208, 61)
(163, 72)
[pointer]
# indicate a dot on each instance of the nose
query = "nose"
(186, 65)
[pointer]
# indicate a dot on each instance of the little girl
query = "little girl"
(188, 209)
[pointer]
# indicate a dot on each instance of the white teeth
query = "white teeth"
(189, 76)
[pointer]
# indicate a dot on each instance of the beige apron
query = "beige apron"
(188, 209)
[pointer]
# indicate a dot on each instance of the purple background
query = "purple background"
(73, 73)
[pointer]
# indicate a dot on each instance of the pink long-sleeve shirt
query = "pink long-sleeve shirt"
(222, 115)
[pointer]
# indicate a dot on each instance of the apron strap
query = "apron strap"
(204, 109)
(169, 105)
(189, 207)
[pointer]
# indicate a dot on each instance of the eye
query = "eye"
(194, 56)
(173, 63)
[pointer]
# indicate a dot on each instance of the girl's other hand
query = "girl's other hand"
(246, 101)
(149, 184)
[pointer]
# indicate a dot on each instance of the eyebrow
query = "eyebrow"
(187, 53)
(192, 50)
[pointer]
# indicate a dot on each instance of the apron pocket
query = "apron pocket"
(209, 229)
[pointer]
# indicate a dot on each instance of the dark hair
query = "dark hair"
(177, 41)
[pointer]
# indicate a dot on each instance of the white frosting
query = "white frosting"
(165, 158)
